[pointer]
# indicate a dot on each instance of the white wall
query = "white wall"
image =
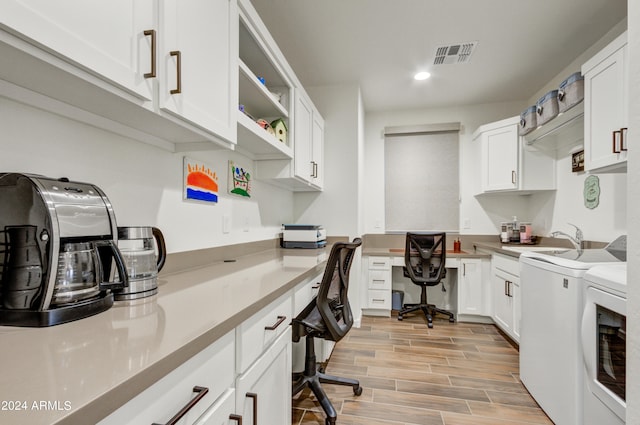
(633, 249)
(553, 211)
(144, 183)
(480, 218)
(337, 206)
(483, 215)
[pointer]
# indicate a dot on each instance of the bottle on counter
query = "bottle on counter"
(525, 232)
(505, 232)
(515, 231)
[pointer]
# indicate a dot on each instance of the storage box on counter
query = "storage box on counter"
(528, 121)
(547, 107)
(571, 92)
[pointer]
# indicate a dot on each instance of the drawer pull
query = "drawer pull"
(151, 33)
(275, 325)
(202, 391)
(178, 56)
(254, 396)
(236, 418)
(378, 300)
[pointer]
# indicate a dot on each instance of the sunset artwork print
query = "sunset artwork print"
(239, 180)
(200, 182)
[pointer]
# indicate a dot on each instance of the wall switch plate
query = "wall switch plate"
(466, 223)
(245, 224)
(226, 223)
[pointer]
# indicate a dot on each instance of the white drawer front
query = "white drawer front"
(304, 293)
(379, 263)
(380, 279)
(212, 368)
(379, 299)
(257, 333)
(507, 264)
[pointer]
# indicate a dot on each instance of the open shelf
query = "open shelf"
(256, 98)
(258, 143)
(567, 129)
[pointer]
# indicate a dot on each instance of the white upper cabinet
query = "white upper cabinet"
(111, 39)
(157, 71)
(317, 149)
(507, 164)
(605, 112)
(198, 63)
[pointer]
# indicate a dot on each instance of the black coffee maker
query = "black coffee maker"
(58, 251)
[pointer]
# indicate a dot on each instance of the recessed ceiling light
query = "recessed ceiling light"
(422, 75)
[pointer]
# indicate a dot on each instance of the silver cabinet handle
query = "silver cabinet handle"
(202, 391)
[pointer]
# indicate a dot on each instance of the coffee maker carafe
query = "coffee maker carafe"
(138, 246)
(58, 250)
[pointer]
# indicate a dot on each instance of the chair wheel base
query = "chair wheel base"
(329, 421)
(400, 317)
(357, 391)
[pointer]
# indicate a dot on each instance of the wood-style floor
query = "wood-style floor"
(453, 374)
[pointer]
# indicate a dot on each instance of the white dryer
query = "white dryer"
(604, 330)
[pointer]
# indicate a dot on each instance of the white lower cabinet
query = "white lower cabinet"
(222, 412)
(263, 392)
(245, 376)
(210, 369)
(379, 283)
(506, 295)
(471, 289)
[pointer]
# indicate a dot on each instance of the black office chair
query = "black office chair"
(424, 258)
(327, 316)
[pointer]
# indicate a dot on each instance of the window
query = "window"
(421, 179)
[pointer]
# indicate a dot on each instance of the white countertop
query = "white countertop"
(79, 372)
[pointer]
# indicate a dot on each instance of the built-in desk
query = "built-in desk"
(124, 363)
(466, 283)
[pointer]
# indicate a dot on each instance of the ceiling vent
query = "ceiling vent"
(455, 53)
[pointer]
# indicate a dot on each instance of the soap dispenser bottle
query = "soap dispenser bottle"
(515, 231)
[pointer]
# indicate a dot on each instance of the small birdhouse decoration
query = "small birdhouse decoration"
(280, 129)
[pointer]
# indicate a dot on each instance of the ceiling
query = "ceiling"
(381, 44)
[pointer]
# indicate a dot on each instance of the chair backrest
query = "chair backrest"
(425, 257)
(332, 300)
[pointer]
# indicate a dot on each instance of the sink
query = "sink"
(527, 248)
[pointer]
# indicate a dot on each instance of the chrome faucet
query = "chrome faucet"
(578, 240)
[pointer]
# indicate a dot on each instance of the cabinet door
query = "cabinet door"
(198, 60)
(470, 289)
(500, 159)
(502, 300)
(303, 166)
(317, 157)
(517, 301)
(105, 38)
(605, 112)
(222, 412)
(263, 392)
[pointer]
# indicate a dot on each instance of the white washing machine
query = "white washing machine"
(551, 288)
(604, 329)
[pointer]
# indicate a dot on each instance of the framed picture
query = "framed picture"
(200, 182)
(577, 161)
(239, 180)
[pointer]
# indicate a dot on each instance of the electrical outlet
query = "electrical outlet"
(466, 223)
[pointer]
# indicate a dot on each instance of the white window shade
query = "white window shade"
(421, 181)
